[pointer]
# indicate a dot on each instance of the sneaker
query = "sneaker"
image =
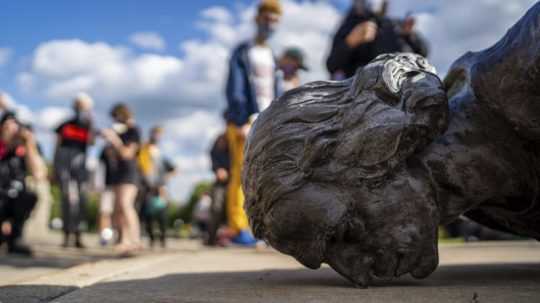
(106, 236)
(244, 238)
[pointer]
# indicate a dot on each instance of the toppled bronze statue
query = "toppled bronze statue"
(358, 174)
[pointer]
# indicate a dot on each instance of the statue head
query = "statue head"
(330, 174)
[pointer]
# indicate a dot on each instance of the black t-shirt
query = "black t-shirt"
(220, 156)
(75, 133)
(118, 170)
(109, 161)
(388, 40)
(13, 169)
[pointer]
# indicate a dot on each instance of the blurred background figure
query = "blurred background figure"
(123, 140)
(4, 103)
(156, 170)
(202, 214)
(37, 226)
(19, 158)
(367, 33)
(290, 63)
(73, 139)
(252, 84)
(471, 231)
(219, 156)
(105, 216)
(107, 219)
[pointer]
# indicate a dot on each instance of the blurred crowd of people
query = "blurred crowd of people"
(135, 175)
(256, 78)
(136, 172)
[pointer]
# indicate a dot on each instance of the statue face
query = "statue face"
(335, 181)
(361, 233)
(387, 231)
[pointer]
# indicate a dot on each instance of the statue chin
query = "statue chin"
(358, 174)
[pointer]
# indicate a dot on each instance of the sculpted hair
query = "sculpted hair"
(299, 123)
(351, 132)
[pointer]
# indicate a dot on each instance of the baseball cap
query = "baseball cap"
(298, 55)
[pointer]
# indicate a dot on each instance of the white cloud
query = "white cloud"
(218, 14)
(186, 93)
(148, 40)
(24, 113)
(5, 55)
(50, 117)
(43, 120)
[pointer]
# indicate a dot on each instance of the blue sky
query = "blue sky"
(25, 24)
(168, 58)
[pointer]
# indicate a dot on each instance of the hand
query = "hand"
(364, 32)
(222, 175)
(407, 28)
(27, 137)
(109, 135)
(243, 131)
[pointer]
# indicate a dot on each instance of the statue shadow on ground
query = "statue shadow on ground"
(49, 255)
(463, 283)
(59, 260)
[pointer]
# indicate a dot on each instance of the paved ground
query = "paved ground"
(494, 272)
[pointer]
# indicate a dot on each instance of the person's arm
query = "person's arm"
(58, 132)
(34, 162)
(220, 165)
(413, 39)
(92, 134)
(236, 91)
(126, 151)
(57, 145)
(357, 42)
(214, 157)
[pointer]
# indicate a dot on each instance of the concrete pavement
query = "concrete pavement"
(488, 272)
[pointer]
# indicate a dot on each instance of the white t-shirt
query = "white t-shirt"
(262, 64)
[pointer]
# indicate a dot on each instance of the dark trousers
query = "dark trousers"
(218, 211)
(73, 212)
(16, 211)
(70, 168)
(161, 219)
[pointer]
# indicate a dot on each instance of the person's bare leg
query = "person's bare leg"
(127, 194)
(104, 221)
(120, 218)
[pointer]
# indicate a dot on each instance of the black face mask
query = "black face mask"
(289, 69)
(84, 116)
(265, 31)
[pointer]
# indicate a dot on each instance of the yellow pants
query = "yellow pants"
(236, 215)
